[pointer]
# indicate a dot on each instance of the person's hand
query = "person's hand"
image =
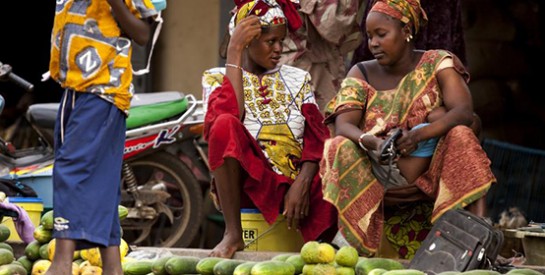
(407, 143)
(388, 151)
(296, 203)
(377, 143)
(246, 30)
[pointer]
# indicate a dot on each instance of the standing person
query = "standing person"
(264, 130)
(90, 58)
(437, 158)
(329, 32)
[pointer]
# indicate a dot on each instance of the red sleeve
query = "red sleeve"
(222, 101)
(315, 133)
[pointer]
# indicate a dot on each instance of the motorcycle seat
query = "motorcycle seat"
(154, 107)
(44, 115)
(141, 99)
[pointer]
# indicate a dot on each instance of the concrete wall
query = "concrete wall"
(188, 45)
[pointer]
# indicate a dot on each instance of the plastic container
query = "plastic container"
(41, 180)
(276, 237)
(34, 208)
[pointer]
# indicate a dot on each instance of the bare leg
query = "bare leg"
(111, 260)
(64, 254)
(478, 207)
(413, 167)
(228, 187)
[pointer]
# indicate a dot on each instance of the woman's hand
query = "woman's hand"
(371, 142)
(408, 142)
(247, 29)
(297, 199)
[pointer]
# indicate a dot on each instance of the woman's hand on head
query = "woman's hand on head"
(246, 30)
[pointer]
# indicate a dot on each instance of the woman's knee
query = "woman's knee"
(227, 119)
(225, 124)
(460, 130)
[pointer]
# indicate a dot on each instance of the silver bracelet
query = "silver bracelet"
(233, 66)
(361, 138)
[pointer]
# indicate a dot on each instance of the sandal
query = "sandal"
(388, 152)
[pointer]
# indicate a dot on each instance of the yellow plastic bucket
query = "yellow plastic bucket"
(265, 237)
(34, 208)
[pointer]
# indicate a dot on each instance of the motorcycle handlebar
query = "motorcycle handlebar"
(6, 73)
(21, 82)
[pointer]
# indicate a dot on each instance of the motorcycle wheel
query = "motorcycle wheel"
(185, 201)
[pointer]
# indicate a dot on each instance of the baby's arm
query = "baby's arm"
(436, 114)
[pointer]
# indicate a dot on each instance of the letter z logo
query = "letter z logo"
(88, 61)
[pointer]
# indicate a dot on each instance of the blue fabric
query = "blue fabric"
(426, 147)
(159, 4)
(87, 170)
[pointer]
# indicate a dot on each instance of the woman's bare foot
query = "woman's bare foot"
(59, 270)
(228, 246)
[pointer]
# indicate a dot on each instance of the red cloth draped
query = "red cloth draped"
(314, 135)
(291, 13)
(227, 137)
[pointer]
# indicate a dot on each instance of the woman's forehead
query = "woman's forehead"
(276, 30)
(378, 19)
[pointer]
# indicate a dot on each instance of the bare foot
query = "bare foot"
(228, 246)
(59, 270)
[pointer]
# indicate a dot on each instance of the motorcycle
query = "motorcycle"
(163, 191)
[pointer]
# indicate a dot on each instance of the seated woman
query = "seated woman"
(398, 90)
(264, 130)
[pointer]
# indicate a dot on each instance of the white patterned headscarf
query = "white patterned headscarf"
(270, 13)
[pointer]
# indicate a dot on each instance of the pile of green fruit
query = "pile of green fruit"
(39, 253)
(314, 259)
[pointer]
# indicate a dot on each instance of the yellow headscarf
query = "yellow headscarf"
(407, 11)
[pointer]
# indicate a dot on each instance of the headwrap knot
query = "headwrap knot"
(407, 11)
(270, 12)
